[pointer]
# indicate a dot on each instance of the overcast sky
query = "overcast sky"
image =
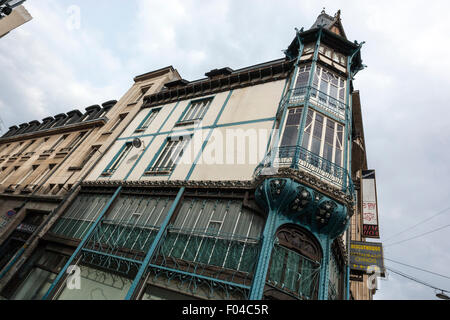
(47, 67)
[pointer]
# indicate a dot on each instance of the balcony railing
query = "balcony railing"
(296, 96)
(303, 159)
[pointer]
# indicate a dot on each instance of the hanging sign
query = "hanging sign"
(369, 205)
(364, 256)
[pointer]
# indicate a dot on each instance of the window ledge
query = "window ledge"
(158, 173)
(185, 123)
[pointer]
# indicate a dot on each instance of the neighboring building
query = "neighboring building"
(12, 17)
(235, 186)
(41, 163)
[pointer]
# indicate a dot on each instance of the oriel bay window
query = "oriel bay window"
(321, 149)
(327, 89)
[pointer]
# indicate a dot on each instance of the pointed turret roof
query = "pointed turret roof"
(333, 24)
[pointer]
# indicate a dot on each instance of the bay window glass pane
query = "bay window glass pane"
(35, 285)
(97, 285)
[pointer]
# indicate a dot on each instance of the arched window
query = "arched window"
(295, 265)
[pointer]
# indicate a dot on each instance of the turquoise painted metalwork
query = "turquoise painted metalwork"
(307, 97)
(290, 202)
(230, 124)
(154, 245)
(81, 244)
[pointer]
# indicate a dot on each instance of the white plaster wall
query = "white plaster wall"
(255, 102)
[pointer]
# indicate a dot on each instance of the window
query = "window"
(295, 263)
(27, 174)
(118, 159)
(148, 120)
(327, 89)
(291, 128)
(321, 146)
(42, 175)
(141, 93)
(9, 174)
(324, 137)
(331, 90)
(73, 142)
(170, 156)
(301, 83)
(87, 156)
(57, 143)
(23, 149)
(217, 232)
(332, 54)
(118, 121)
(196, 110)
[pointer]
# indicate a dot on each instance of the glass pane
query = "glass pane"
(290, 136)
(97, 285)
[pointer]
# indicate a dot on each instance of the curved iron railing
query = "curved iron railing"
(300, 158)
(226, 257)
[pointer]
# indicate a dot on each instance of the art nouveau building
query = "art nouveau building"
(235, 186)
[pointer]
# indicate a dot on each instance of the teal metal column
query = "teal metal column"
(325, 270)
(306, 101)
(285, 99)
(154, 246)
(82, 243)
(348, 120)
(259, 278)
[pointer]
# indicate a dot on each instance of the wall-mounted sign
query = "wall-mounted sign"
(10, 213)
(369, 205)
(365, 255)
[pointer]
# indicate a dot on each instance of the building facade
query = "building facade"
(12, 16)
(43, 162)
(239, 185)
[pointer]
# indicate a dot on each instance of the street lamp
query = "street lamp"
(442, 296)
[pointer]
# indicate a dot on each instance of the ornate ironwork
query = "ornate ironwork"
(208, 255)
(296, 156)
